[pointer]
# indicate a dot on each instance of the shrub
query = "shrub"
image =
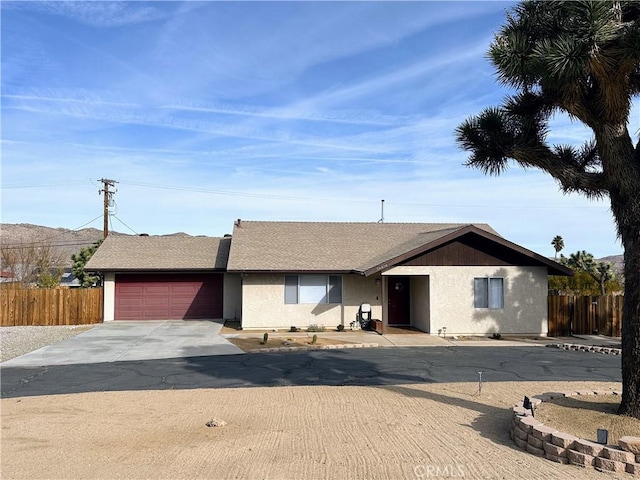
(315, 328)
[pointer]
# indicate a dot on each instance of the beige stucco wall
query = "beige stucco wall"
(232, 296)
(451, 300)
(109, 292)
(263, 304)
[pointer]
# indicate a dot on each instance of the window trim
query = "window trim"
(489, 304)
(293, 294)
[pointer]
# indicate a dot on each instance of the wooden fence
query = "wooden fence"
(585, 314)
(56, 306)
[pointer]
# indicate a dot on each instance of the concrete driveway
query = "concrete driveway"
(131, 341)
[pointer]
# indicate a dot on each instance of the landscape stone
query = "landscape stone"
(563, 440)
(588, 447)
(577, 458)
(584, 392)
(519, 411)
(610, 465)
(535, 451)
(555, 458)
(633, 469)
(614, 453)
(536, 442)
(521, 434)
(527, 423)
(555, 450)
(520, 443)
(630, 444)
(543, 432)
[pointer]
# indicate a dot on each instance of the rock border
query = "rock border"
(586, 348)
(538, 439)
(311, 347)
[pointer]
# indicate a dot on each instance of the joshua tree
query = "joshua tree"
(601, 272)
(581, 59)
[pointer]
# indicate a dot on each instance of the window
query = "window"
(488, 292)
(312, 289)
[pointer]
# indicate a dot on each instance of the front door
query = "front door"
(399, 312)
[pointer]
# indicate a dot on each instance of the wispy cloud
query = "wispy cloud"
(209, 111)
(98, 13)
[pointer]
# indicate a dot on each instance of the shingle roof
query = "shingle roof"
(340, 247)
(160, 253)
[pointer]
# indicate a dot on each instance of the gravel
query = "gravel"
(16, 341)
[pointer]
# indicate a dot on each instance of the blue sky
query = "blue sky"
(205, 112)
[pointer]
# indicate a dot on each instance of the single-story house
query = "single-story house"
(457, 279)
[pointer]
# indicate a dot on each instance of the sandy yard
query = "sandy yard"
(387, 432)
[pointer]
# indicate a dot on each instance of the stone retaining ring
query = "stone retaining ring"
(586, 348)
(532, 436)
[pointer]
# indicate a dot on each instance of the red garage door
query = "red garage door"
(168, 297)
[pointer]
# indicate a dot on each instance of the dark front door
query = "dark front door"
(399, 312)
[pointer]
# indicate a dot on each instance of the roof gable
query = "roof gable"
(470, 246)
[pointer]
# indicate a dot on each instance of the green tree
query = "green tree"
(49, 278)
(590, 277)
(600, 272)
(80, 260)
(583, 59)
(558, 244)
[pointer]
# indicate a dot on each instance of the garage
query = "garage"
(168, 296)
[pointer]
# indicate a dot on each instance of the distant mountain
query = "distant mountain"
(66, 241)
(72, 241)
(616, 260)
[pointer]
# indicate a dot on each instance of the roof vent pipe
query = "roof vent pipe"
(382, 212)
(238, 223)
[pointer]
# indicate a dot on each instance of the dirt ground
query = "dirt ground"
(582, 416)
(248, 344)
(387, 432)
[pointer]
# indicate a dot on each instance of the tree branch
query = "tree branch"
(517, 131)
(570, 173)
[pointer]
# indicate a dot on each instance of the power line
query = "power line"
(36, 245)
(47, 240)
(58, 183)
(114, 216)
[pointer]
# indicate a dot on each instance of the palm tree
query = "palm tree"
(558, 245)
(582, 59)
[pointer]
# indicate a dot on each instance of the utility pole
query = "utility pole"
(107, 202)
